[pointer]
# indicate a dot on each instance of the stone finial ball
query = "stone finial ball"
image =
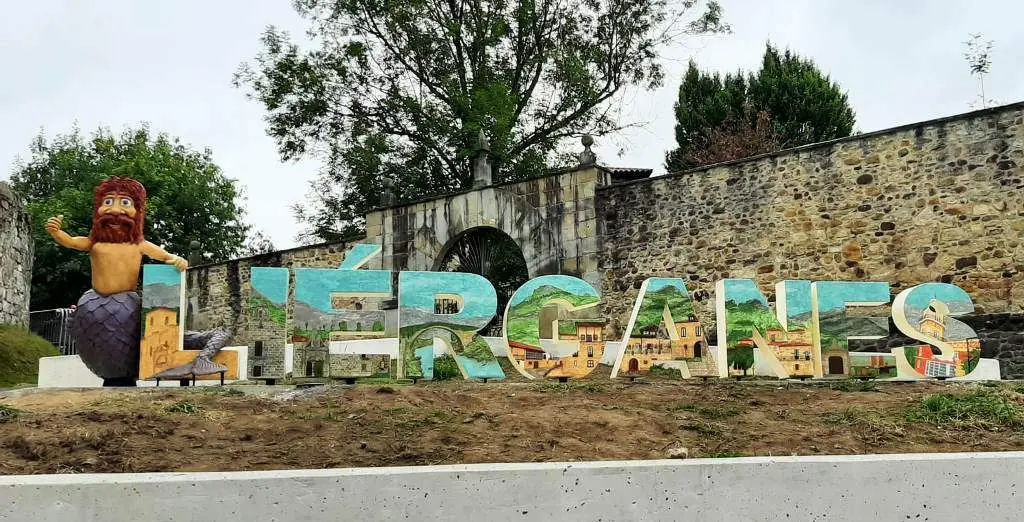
(587, 140)
(194, 245)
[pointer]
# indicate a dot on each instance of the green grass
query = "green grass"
(8, 413)
(982, 408)
(20, 351)
(854, 386)
(185, 408)
(709, 412)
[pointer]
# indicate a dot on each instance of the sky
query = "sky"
(117, 63)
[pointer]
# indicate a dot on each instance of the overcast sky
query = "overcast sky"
(117, 63)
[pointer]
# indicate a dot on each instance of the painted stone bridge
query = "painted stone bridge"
(940, 200)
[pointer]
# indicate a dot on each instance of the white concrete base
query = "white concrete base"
(936, 487)
(66, 371)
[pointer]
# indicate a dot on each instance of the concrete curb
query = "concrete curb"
(956, 486)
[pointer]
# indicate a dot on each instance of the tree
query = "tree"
(258, 243)
(189, 199)
(803, 105)
(395, 94)
(736, 138)
(977, 56)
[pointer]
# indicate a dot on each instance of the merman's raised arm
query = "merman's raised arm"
(54, 226)
(158, 254)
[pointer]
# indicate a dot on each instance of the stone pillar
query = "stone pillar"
(483, 175)
(16, 251)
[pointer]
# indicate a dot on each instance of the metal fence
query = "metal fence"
(54, 326)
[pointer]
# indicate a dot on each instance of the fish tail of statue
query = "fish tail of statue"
(107, 331)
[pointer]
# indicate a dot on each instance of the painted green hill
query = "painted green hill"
(522, 321)
(653, 307)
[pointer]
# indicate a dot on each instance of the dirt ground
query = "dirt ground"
(222, 429)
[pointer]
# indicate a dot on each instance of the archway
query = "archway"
(634, 366)
(493, 254)
(698, 350)
(835, 365)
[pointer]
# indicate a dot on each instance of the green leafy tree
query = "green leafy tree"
(395, 94)
(189, 198)
(803, 105)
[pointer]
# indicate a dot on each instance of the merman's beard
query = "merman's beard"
(113, 228)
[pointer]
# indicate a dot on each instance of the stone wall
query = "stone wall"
(551, 219)
(15, 258)
(218, 292)
(935, 201)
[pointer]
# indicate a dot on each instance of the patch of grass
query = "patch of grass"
(185, 407)
(854, 386)
(872, 426)
(571, 386)
(709, 412)
(982, 408)
(705, 428)
(218, 391)
(20, 351)
(725, 455)
(8, 413)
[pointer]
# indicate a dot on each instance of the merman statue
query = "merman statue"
(107, 322)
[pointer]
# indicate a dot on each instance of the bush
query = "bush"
(20, 351)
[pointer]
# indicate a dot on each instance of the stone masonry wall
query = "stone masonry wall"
(935, 201)
(218, 292)
(15, 258)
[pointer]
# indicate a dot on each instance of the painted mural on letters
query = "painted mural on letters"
(663, 332)
(439, 315)
(162, 320)
(552, 328)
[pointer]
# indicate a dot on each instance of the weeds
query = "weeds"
(709, 412)
(869, 426)
(705, 428)
(725, 455)
(583, 386)
(854, 386)
(8, 413)
(983, 408)
(185, 407)
(218, 391)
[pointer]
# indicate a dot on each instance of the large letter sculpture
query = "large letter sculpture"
(552, 329)
(663, 331)
(439, 315)
(953, 350)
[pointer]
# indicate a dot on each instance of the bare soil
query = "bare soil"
(447, 423)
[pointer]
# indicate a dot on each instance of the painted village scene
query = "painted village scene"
(526, 235)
